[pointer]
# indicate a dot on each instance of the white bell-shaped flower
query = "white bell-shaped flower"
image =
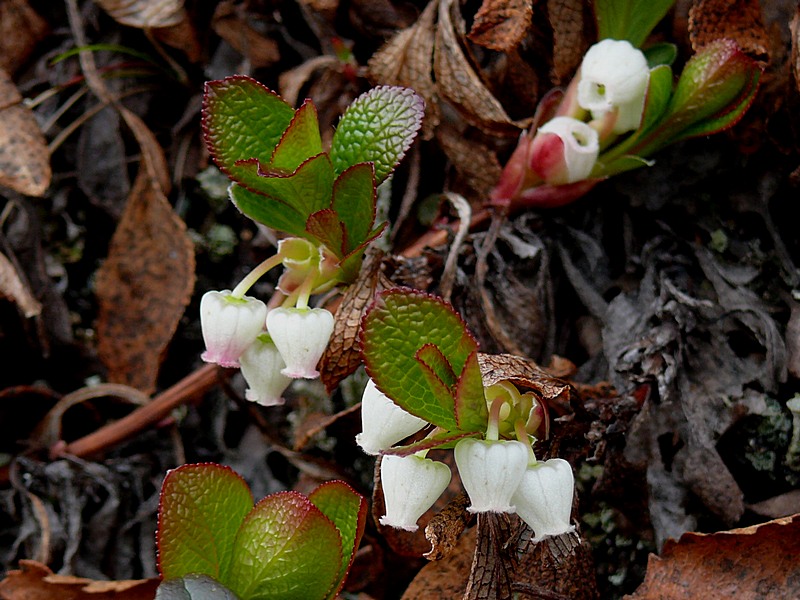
(564, 151)
(301, 335)
(491, 472)
(544, 498)
(261, 368)
(229, 325)
(383, 423)
(614, 75)
(411, 484)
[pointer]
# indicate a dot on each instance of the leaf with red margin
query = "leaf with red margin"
(324, 226)
(437, 441)
(201, 508)
(286, 549)
(300, 141)
(348, 511)
(354, 203)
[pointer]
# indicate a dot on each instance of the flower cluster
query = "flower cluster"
(499, 475)
(272, 347)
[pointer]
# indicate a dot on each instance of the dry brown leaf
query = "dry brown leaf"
(20, 29)
(480, 175)
(525, 373)
(795, 60)
(145, 14)
(738, 20)
(343, 354)
(444, 579)
(24, 157)
(12, 287)
(570, 39)
(143, 286)
(501, 24)
(752, 563)
(458, 82)
(232, 24)
(407, 60)
(446, 527)
(35, 581)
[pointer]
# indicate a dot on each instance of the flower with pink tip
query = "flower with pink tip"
(411, 484)
(544, 498)
(261, 368)
(301, 336)
(229, 325)
(564, 151)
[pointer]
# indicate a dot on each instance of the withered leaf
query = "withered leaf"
(407, 60)
(445, 579)
(445, 528)
(494, 561)
(145, 14)
(795, 61)
(232, 24)
(457, 80)
(481, 175)
(24, 157)
(738, 20)
(343, 354)
(143, 286)
(501, 24)
(526, 374)
(748, 564)
(20, 29)
(35, 581)
(15, 289)
(570, 39)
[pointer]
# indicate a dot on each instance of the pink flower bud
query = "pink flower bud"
(229, 325)
(411, 485)
(564, 151)
(301, 335)
(544, 498)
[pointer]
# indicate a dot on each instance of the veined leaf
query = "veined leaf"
(242, 119)
(324, 226)
(348, 512)
(378, 127)
(300, 141)
(193, 587)
(268, 211)
(286, 549)
(200, 511)
(354, 203)
(631, 20)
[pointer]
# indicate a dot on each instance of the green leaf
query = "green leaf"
(201, 509)
(242, 119)
(397, 326)
(351, 264)
(348, 512)
(269, 211)
(471, 411)
(662, 53)
(437, 364)
(193, 587)
(300, 141)
(378, 127)
(286, 549)
(438, 441)
(725, 119)
(324, 226)
(631, 20)
(354, 202)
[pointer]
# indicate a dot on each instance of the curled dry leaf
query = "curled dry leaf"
(24, 157)
(445, 528)
(35, 581)
(232, 24)
(525, 373)
(445, 579)
(343, 354)
(501, 24)
(457, 80)
(145, 14)
(407, 59)
(738, 20)
(15, 289)
(481, 175)
(748, 564)
(20, 30)
(795, 30)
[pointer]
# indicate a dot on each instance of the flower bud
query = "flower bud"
(614, 76)
(491, 472)
(411, 484)
(383, 423)
(261, 368)
(564, 151)
(301, 336)
(229, 325)
(544, 498)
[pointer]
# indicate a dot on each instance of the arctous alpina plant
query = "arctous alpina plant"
(421, 358)
(622, 106)
(321, 200)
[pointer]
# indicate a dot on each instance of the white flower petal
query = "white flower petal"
(383, 423)
(229, 325)
(581, 146)
(261, 367)
(491, 472)
(411, 485)
(301, 335)
(544, 498)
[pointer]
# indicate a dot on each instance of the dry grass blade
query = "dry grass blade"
(13, 288)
